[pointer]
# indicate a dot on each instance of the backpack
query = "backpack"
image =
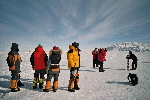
(133, 79)
(55, 59)
(10, 60)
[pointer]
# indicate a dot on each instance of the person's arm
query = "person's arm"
(32, 60)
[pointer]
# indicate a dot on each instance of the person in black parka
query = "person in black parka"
(53, 69)
(134, 58)
(14, 61)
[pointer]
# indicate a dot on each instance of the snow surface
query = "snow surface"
(109, 85)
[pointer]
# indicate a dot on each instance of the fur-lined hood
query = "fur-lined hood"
(60, 51)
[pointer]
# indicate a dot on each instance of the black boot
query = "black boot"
(19, 83)
(54, 90)
(101, 69)
(14, 90)
(76, 87)
(45, 90)
(71, 90)
(35, 85)
(40, 85)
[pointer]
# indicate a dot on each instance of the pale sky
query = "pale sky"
(91, 23)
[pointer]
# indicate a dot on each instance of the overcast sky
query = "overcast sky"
(91, 23)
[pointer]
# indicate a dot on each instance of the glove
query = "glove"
(47, 69)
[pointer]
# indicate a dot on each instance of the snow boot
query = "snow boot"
(76, 87)
(14, 90)
(47, 87)
(70, 86)
(19, 83)
(14, 87)
(55, 86)
(101, 69)
(71, 90)
(35, 81)
(41, 83)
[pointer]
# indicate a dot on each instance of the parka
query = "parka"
(14, 59)
(39, 59)
(101, 55)
(95, 54)
(73, 57)
(54, 59)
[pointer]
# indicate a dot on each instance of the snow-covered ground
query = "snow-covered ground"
(109, 85)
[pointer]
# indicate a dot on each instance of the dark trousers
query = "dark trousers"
(14, 75)
(134, 64)
(95, 62)
(41, 72)
(51, 74)
(101, 66)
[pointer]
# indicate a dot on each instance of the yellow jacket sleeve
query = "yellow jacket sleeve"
(70, 60)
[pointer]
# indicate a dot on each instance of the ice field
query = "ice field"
(94, 85)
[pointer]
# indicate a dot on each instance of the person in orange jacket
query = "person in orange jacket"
(14, 61)
(73, 58)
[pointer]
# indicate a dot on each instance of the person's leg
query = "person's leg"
(55, 83)
(48, 81)
(76, 86)
(94, 63)
(36, 78)
(101, 67)
(71, 81)
(19, 82)
(42, 78)
(135, 64)
(132, 66)
(14, 80)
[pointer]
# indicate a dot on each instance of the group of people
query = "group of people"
(99, 58)
(42, 64)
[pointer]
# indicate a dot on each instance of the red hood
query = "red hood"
(39, 49)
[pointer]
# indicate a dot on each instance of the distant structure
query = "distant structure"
(130, 46)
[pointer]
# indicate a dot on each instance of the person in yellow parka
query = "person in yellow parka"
(73, 58)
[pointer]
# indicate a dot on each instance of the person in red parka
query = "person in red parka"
(95, 57)
(101, 58)
(38, 61)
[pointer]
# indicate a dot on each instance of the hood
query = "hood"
(59, 51)
(71, 47)
(14, 47)
(39, 49)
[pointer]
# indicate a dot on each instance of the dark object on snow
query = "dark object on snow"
(134, 58)
(133, 79)
(19, 83)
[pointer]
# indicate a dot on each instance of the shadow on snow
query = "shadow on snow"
(145, 62)
(113, 82)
